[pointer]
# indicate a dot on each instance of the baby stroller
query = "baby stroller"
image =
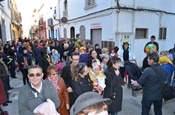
(132, 72)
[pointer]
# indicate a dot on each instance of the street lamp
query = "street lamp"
(55, 15)
(62, 20)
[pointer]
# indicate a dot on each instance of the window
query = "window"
(72, 32)
(162, 33)
(90, 4)
(82, 32)
(141, 33)
(65, 33)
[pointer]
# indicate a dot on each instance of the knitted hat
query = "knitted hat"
(96, 64)
(86, 100)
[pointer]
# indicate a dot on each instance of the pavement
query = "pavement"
(131, 105)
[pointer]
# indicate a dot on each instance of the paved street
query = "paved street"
(131, 105)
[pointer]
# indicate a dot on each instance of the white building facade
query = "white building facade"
(5, 21)
(110, 22)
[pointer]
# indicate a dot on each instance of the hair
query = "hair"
(76, 70)
(52, 67)
(77, 35)
(97, 108)
(124, 44)
(34, 67)
(92, 51)
(164, 53)
(153, 36)
(75, 54)
(113, 60)
(104, 50)
(154, 56)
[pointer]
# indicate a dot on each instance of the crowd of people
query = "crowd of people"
(88, 69)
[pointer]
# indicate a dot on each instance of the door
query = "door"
(96, 37)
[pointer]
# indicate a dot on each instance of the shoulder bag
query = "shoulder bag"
(38, 94)
(168, 91)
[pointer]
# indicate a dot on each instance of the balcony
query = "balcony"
(15, 17)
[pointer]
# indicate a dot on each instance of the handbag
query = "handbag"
(168, 91)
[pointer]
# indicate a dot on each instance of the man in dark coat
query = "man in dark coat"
(152, 88)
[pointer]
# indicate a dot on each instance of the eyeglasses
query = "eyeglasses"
(32, 74)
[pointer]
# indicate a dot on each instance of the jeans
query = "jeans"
(146, 105)
(113, 113)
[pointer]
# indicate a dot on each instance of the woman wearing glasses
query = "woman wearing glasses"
(80, 81)
(61, 89)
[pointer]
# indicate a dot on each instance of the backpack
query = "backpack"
(134, 72)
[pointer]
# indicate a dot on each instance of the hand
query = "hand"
(67, 106)
(99, 89)
(69, 89)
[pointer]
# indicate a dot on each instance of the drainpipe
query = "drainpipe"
(117, 23)
(133, 26)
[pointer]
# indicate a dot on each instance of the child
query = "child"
(105, 59)
(56, 60)
(97, 77)
(55, 56)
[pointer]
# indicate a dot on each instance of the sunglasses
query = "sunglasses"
(32, 74)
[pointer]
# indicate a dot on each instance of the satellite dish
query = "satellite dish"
(64, 20)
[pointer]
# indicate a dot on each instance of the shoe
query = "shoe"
(9, 101)
(5, 104)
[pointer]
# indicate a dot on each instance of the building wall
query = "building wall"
(117, 23)
(6, 16)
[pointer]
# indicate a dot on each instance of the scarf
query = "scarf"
(55, 83)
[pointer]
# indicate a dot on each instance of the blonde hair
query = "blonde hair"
(97, 108)
(104, 50)
(164, 53)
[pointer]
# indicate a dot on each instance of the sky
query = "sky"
(26, 8)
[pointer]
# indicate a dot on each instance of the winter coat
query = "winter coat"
(63, 96)
(3, 96)
(81, 86)
(84, 57)
(3, 71)
(113, 84)
(20, 60)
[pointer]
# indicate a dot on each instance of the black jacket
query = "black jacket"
(81, 86)
(113, 84)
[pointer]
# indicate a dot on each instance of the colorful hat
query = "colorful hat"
(96, 64)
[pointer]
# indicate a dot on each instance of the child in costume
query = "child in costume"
(97, 77)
